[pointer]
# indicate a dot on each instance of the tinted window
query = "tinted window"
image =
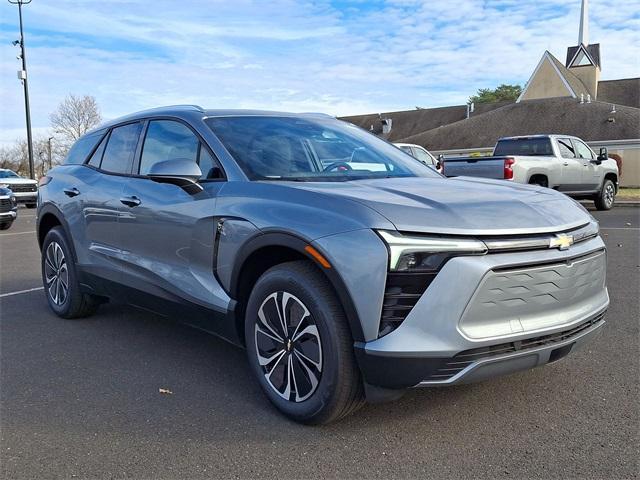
(8, 174)
(524, 147)
(423, 156)
(566, 148)
(310, 149)
(121, 148)
(208, 165)
(582, 150)
(167, 140)
(80, 150)
(95, 159)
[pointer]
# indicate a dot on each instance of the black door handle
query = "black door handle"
(71, 192)
(132, 201)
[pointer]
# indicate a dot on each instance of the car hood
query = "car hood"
(17, 181)
(461, 205)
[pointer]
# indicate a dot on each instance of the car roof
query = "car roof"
(189, 111)
(526, 137)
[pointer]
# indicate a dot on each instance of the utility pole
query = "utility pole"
(22, 75)
(50, 155)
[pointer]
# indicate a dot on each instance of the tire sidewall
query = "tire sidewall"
(604, 197)
(283, 279)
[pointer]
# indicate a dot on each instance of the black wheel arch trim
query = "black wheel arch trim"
(298, 244)
(50, 209)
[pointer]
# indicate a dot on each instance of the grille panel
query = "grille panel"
(463, 359)
(5, 205)
(23, 188)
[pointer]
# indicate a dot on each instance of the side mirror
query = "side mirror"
(603, 155)
(178, 171)
(438, 165)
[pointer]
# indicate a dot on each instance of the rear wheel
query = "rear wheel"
(60, 279)
(6, 225)
(607, 196)
(299, 345)
(539, 180)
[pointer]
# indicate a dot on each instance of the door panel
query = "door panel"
(99, 197)
(167, 233)
(590, 171)
(571, 176)
(169, 241)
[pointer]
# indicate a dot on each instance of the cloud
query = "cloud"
(340, 57)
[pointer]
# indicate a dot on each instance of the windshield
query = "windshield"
(310, 149)
(8, 174)
(526, 147)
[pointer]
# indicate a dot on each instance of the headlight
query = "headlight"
(422, 254)
(14, 202)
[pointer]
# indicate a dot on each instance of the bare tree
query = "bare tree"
(74, 117)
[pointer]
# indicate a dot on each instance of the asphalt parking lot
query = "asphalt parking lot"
(80, 398)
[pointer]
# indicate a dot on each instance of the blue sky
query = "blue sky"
(338, 57)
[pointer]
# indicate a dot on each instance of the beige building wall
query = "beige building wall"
(546, 84)
(590, 76)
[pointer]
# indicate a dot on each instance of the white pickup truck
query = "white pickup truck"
(561, 162)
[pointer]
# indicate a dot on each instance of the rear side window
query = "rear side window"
(81, 149)
(96, 157)
(168, 140)
(121, 148)
(566, 148)
(527, 147)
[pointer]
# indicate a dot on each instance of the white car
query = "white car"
(24, 190)
(420, 153)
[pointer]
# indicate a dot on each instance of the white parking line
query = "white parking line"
(16, 233)
(619, 228)
(20, 292)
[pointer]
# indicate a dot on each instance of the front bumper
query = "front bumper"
(26, 197)
(11, 215)
(491, 315)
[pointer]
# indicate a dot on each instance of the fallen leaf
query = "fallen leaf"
(619, 244)
(628, 224)
(165, 391)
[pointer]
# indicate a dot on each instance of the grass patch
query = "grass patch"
(629, 193)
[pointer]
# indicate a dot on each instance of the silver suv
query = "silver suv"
(348, 270)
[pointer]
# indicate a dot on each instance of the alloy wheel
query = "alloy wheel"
(609, 194)
(56, 273)
(289, 347)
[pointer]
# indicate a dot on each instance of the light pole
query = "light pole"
(50, 155)
(22, 75)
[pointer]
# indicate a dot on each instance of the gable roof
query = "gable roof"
(625, 91)
(412, 122)
(573, 84)
(566, 116)
(593, 51)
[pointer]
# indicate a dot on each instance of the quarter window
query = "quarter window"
(120, 149)
(80, 150)
(566, 148)
(168, 140)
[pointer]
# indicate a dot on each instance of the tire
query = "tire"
(540, 181)
(607, 196)
(6, 225)
(324, 352)
(57, 266)
(31, 205)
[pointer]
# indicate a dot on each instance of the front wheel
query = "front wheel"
(299, 345)
(60, 279)
(606, 198)
(6, 225)
(31, 205)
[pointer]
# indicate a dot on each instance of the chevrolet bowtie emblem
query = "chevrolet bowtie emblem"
(561, 241)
